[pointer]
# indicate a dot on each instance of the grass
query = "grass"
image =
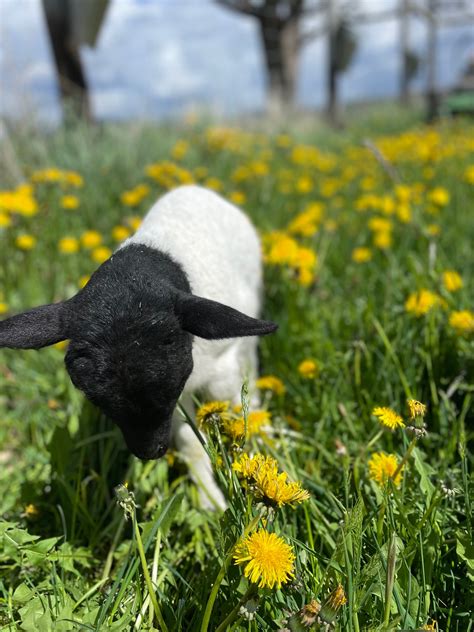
(80, 551)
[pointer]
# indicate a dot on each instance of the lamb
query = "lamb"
(172, 312)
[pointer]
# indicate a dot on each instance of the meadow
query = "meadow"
(349, 492)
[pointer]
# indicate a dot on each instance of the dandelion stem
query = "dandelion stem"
(391, 561)
(151, 590)
(220, 576)
(230, 618)
(405, 458)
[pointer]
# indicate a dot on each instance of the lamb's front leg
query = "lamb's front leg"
(196, 458)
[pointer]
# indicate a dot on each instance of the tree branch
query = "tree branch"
(241, 6)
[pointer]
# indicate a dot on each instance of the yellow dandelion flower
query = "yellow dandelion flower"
(361, 255)
(267, 483)
(91, 239)
(3, 307)
(5, 220)
(101, 254)
(308, 369)
(237, 197)
(439, 196)
(31, 511)
(134, 222)
(433, 626)
(433, 230)
(382, 467)
(74, 178)
(452, 280)
(247, 466)
(388, 417)
(212, 410)
(180, 149)
(416, 408)
(257, 421)
(469, 174)
(68, 245)
(25, 242)
(270, 383)
(380, 224)
(383, 239)
(70, 202)
(304, 184)
(421, 302)
(84, 280)
(214, 183)
(462, 321)
(268, 560)
(332, 605)
(119, 233)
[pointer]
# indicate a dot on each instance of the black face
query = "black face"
(136, 383)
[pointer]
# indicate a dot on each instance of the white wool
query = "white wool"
(219, 250)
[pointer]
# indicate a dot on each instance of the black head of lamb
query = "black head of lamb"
(130, 331)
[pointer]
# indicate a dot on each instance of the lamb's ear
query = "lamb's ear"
(35, 328)
(209, 319)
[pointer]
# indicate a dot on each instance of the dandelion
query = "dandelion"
(382, 467)
(388, 417)
(421, 302)
(417, 409)
(308, 369)
(271, 383)
(3, 307)
(119, 233)
(73, 178)
(101, 254)
(452, 280)
(84, 280)
(5, 220)
(70, 202)
(91, 239)
(267, 483)
(439, 196)
(332, 605)
(462, 321)
(25, 242)
(68, 245)
(361, 255)
(212, 411)
(257, 420)
(268, 560)
(469, 174)
(31, 511)
(433, 230)
(383, 239)
(134, 222)
(237, 197)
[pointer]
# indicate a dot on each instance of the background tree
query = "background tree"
(71, 23)
(282, 37)
(342, 45)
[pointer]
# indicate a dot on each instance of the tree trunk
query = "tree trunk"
(332, 94)
(431, 92)
(280, 45)
(405, 52)
(71, 78)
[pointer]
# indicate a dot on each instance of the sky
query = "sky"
(158, 58)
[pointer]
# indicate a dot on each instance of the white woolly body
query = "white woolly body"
(219, 250)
